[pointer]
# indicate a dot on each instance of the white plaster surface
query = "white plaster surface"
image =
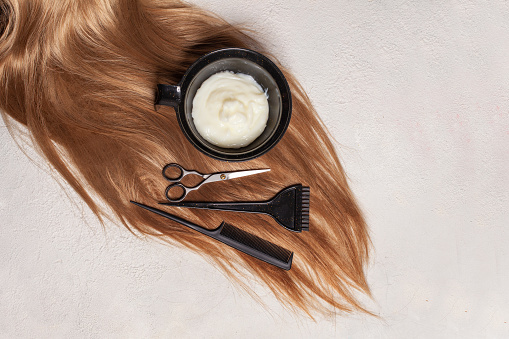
(416, 95)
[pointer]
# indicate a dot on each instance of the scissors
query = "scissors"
(207, 178)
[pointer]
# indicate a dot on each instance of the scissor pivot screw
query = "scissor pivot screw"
(223, 176)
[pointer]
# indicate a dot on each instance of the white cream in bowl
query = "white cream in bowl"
(230, 110)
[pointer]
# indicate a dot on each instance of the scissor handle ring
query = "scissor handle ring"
(177, 166)
(180, 197)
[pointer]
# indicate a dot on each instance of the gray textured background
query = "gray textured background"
(416, 95)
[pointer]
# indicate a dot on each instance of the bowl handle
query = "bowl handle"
(168, 95)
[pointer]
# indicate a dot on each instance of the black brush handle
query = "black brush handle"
(249, 207)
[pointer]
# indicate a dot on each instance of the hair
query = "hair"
(80, 75)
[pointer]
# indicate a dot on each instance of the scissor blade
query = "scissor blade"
(240, 174)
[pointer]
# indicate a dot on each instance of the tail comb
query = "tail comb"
(238, 239)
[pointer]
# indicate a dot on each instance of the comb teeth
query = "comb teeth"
(271, 253)
(305, 198)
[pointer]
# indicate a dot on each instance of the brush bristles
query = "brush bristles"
(305, 198)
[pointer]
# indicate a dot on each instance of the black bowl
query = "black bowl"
(236, 60)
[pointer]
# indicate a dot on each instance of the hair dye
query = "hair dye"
(81, 76)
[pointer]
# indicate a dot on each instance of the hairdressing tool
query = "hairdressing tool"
(290, 207)
(207, 178)
(238, 239)
(236, 60)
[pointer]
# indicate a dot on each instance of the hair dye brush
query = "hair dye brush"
(290, 207)
(238, 239)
